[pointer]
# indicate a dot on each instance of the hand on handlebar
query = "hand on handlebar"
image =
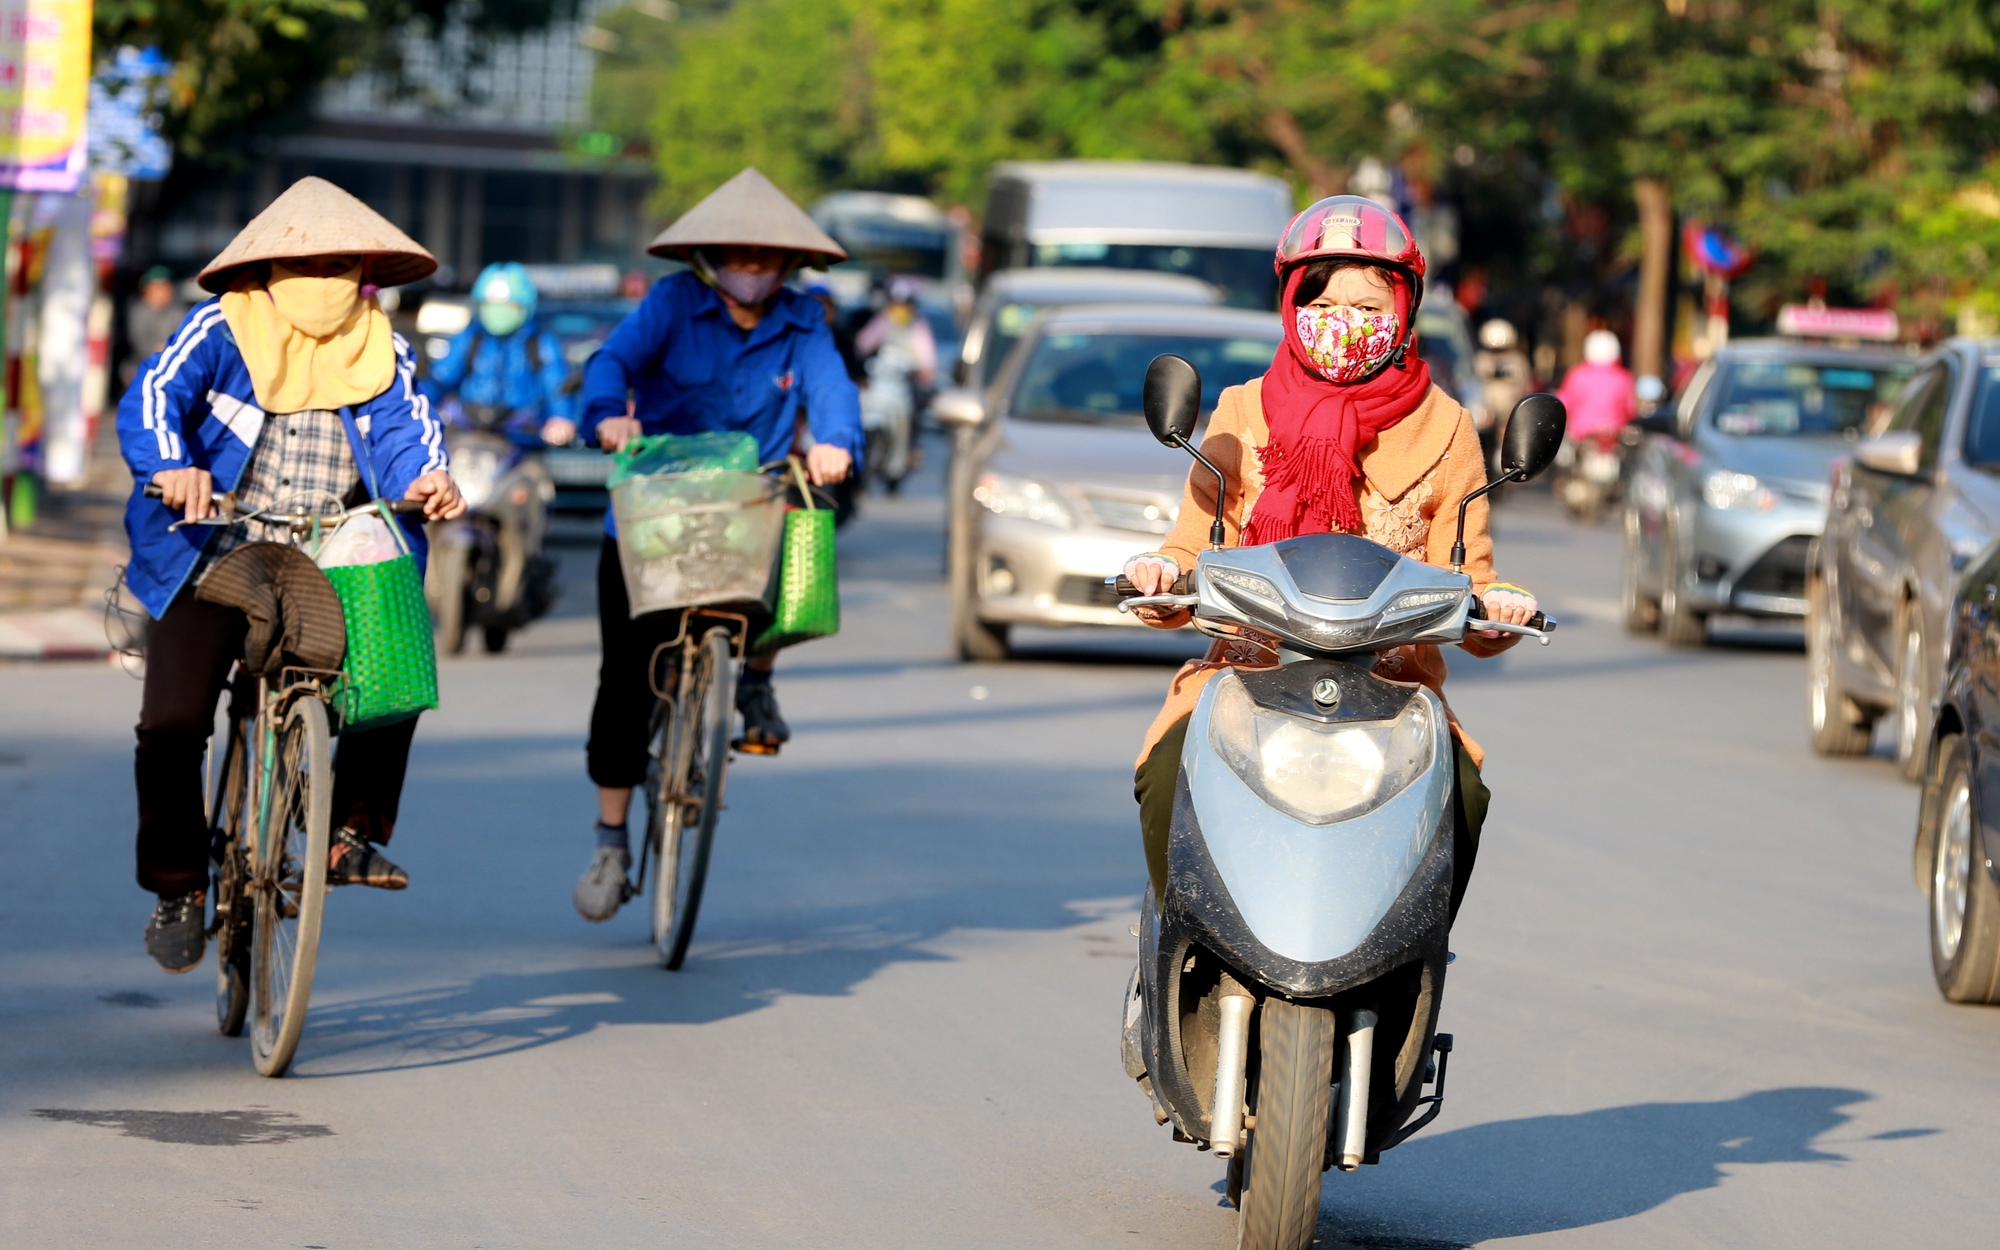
(1150, 574)
(827, 464)
(614, 432)
(187, 491)
(1504, 603)
(439, 495)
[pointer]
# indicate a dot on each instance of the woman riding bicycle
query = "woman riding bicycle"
(1345, 433)
(722, 346)
(288, 391)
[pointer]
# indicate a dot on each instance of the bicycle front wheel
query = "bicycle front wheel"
(229, 870)
(289, 883)
(704, 715)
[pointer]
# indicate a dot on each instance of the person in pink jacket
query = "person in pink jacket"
(1599, 393)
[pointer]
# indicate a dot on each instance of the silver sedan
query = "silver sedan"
(1055, 481)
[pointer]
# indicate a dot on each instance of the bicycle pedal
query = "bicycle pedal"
(746, 747)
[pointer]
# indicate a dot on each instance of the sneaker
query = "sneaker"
(603, 889)
(354, 862)
(764, 730)
(177, 934)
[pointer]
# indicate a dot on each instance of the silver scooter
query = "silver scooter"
(1284, 1011)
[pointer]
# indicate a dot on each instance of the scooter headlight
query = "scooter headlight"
(477, 470)
(1315, 772)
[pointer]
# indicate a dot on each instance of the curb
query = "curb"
(53, 634)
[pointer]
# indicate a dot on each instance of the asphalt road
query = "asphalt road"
(1692, 998)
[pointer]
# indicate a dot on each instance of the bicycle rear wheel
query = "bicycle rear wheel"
(289, 883)
(229, 871)
(703, 717)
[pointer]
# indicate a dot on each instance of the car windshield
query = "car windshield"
(1010, 322)
(1093, 376)
(1982, 432)
(1779, 397)
(1243, 274)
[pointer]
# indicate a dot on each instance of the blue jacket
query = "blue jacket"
(192, 407)
(692, 371)
(482, 369)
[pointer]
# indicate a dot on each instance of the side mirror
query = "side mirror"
(958, 406)
(1664, 419)
(1534, 436)
(1898, 452)
(1172, 399)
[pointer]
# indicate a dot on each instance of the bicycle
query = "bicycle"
(686, 770)
(269, 827)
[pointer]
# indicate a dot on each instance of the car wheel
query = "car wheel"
(1680, 625)
(1641, 610)
(1912, 707)
(1965, 902)
(1835, 731)
(978, 641)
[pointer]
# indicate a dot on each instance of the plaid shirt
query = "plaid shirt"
(301, 460)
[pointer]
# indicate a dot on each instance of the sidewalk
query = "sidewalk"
(53, 574)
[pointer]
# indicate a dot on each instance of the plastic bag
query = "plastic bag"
(364, 540)
(730, 452)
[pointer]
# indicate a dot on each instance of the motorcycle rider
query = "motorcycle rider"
(1345, 432)
(1599, 393)
(901, 356)
(1504, 377)
(504, 367)
(724, 345)
(288, 390)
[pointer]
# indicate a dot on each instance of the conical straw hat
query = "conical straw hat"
(746, 211)
(315, 218)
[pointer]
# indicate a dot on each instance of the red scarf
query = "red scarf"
(1318, 429)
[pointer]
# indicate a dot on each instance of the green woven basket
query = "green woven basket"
(391, 666)
(808, 599)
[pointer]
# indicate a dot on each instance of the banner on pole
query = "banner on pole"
(44, 92)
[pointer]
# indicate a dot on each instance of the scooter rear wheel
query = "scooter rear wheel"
(1279, 1207)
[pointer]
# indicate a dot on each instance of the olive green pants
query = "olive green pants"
(1153, 786)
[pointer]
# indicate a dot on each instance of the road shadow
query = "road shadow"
(503, 1013)
(1544, 1174)
(255, 1127)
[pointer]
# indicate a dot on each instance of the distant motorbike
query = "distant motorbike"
(1284, 1012)
(1590, 475)
(487, 570)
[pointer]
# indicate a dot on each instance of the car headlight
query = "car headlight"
(476, 470)
(1314, 772)
(1003, 494)
(1740, 491)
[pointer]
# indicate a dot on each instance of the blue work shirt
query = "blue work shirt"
(482, 368)
(689, 370)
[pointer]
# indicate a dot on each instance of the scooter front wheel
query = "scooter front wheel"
(1279, 1206)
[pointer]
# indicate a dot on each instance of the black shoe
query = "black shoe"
(764, 730)
(355, 862)
(177, 934)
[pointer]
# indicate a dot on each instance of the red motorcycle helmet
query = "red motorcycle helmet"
(1356, 228)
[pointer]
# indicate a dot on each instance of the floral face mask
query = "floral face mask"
(1344, 343)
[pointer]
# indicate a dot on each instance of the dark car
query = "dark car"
(1909, 510)
(1728, 490)
(1958, 822)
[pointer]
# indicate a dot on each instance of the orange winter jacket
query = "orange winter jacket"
(1413, 476)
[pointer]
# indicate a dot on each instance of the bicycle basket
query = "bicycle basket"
(689, 539)
(391, 666)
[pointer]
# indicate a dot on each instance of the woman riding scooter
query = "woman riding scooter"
(1347, 434)
(503, 389)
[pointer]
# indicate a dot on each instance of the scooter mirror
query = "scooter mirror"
(1534, 436)
(1172, 399)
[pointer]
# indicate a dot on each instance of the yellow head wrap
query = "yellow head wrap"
(310, 342)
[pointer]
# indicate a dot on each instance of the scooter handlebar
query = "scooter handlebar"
(1540, 622)
(1184, 584)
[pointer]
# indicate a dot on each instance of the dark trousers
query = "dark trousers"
(1155, 782)
(622, 715)
(188, 654)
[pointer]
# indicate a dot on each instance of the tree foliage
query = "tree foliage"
(1848, 141)
(245, 67)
